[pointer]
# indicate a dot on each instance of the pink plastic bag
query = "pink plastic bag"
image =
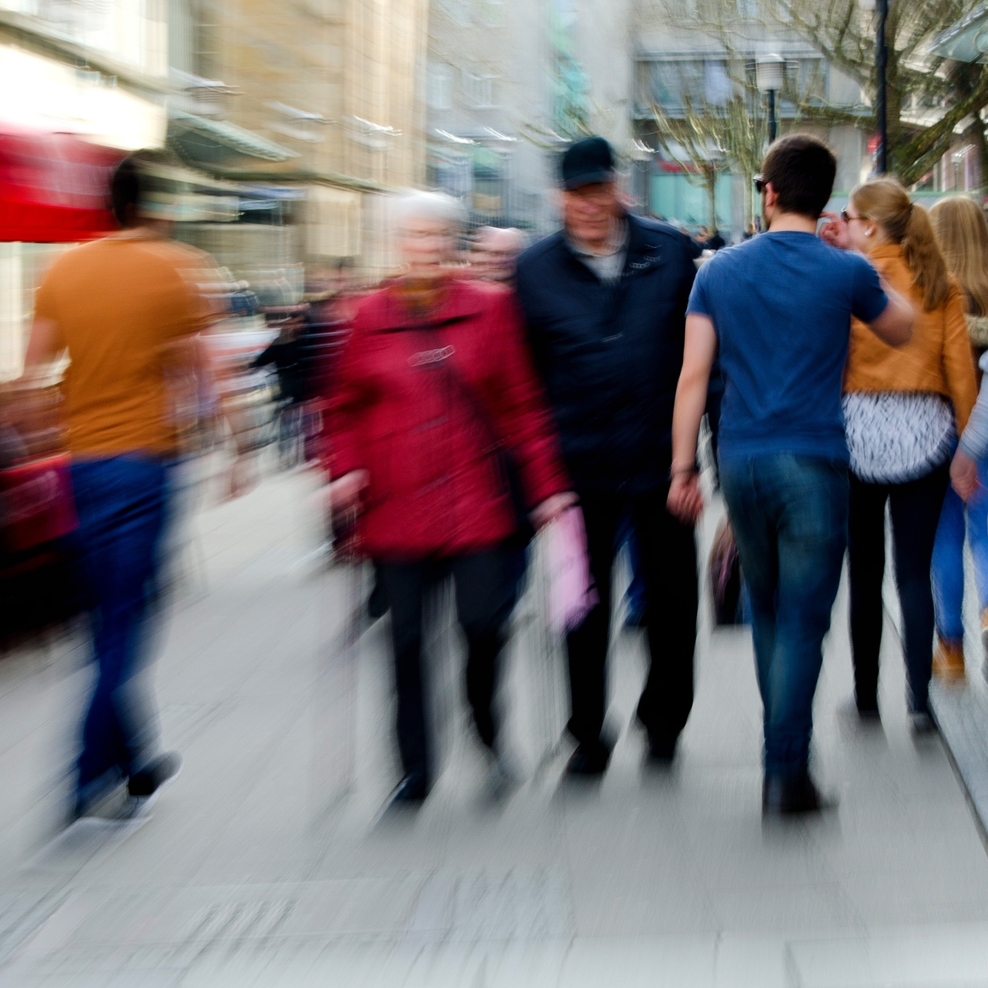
(571, 592)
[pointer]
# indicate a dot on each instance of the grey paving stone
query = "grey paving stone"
(263, 864)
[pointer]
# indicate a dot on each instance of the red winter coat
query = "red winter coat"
(427, 407)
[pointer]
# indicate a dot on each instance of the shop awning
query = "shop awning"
(217, 142)
(965, 41)
(53, 187)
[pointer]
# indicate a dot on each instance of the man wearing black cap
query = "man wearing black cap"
(605, 303)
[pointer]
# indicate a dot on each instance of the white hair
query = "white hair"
(430, 206)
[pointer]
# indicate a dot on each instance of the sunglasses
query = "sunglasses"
(760, 184)
(847, 217)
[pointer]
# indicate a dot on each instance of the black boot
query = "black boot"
(792, 796)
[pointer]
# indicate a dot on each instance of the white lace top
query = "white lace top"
(898, 436)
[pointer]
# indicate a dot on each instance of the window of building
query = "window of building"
(490, 12)
(673, 83)
(458, 10)
(439, 86)
(478, 88)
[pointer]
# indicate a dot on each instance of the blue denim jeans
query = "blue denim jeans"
(634, 596)
(122, 504)
(790, 521)
(948, 556)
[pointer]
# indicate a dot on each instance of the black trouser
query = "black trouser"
(484, 596)
(915, 509)
(667, 555)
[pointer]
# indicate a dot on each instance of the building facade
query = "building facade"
(683, 72)
(315, 105)
(84, 83)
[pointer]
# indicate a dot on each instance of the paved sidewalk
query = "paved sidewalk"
(263, 865)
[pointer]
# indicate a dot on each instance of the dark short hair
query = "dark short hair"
(134, 185)
(801, 169)
(125, 191)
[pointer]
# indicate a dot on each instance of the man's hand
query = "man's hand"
(835, 232)
(551, 508)
(345, 492)
(685, 500)
(964, 475)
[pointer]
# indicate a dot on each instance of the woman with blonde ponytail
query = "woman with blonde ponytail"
(962, 233)
(903, 409)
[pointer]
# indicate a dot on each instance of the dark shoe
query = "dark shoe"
(869, 713)
(410, 793)
(921, 723)
(587, 763)
(150, 779)
(660, 753)
(782, 796)
(502, 777)
(377, 603)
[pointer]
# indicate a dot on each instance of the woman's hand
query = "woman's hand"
(835, 231)
(685, 500)
(964, 475)
(551, 508)
(345, 492)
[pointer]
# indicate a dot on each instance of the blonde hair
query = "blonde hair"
(962, 233)
(906, 223)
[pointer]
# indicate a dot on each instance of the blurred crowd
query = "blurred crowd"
(493, 389)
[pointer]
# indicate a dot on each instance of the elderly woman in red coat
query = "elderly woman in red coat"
(435, 391)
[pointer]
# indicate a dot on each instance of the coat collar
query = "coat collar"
(643, 251)
(886, 250)
(463, 301)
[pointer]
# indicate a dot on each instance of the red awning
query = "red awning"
(53, 187)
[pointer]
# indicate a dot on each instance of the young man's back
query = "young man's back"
(122, 307)
(781, 304)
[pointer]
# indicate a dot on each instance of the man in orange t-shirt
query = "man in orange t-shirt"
(127, 310)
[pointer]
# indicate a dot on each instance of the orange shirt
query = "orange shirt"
(938, 357)
(125, 308)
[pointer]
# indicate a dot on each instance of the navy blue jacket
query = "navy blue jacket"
(610, 354)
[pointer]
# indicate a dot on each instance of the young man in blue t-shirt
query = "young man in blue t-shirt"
(777, 310)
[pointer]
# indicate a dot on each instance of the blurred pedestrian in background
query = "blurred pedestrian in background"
(495, 253)
(903, 409)
(494, 257)
(776, 309)
(605, 300)
(287, 353)
(126, 310)
(962, 233)
(435, 391)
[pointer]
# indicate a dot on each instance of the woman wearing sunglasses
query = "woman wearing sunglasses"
(903, 409)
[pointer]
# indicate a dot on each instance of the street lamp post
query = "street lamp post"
(769, 71)
(881, 62)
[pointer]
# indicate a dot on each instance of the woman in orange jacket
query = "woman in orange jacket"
(903, 408)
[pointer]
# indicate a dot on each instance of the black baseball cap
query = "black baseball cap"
(587, 162)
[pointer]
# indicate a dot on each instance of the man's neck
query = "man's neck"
(791, 223)
(145, 231)
(601, 247)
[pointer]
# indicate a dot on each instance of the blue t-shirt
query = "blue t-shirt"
(781, 304)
